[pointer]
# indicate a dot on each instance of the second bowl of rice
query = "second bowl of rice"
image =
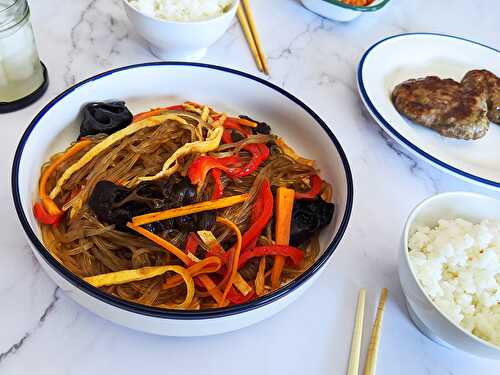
(449, 269)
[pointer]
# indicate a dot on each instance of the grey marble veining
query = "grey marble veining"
(42, 331)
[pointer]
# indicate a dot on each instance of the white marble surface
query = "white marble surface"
(44, 332)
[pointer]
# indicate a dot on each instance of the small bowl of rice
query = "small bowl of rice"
(180, 29)
(449, 270)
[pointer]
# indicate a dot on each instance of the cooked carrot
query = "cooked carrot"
(207, 282)
(211, 242)
(189, 209)
(234, 267)
(283, 220)
(48, 203)
(245, 122)
(260, 280)
(162, 242)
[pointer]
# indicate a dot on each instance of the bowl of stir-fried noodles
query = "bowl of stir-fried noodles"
(181, 199)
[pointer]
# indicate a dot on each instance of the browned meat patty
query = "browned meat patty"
(444, 105)
(490, 84)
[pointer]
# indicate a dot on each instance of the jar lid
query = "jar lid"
(6, 107)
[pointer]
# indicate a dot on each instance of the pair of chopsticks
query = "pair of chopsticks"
(245, 17)
(371, 357)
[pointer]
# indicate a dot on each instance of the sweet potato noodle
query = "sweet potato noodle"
(89, 246)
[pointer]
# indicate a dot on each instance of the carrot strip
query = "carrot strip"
(189, 209)
(284, 207)
(207, 265)
(210, 241)
(162, 242)
(207, 282)
(260, 280)
(234, 267)
(48, 203)
(245, 122)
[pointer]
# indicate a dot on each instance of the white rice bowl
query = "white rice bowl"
(182, 10)
(458, 265)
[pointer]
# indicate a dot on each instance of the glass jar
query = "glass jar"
(21, 73)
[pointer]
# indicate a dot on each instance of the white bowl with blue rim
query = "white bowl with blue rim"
(157, 84)
(424, 313)
(337, 10)
(400, 57)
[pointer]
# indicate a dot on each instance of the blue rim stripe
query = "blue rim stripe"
(176, 314)
(386, 126)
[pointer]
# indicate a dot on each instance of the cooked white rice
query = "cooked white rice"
(458, 265)
(182, 10)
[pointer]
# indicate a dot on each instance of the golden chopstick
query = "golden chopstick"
(249, 37)
(371, 358)
(255, 34)
(357, 334)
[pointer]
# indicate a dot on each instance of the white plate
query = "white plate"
(400, 57)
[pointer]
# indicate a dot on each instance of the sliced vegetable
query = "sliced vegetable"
(44, 217)
(237, 299)
(110, 140)
(105, 118)
(233, 268)
(127, 276)
(266, 201)
(246, 122)
(189, 209)
(209, 144)
(200, 167)
(316, 186)
(156, 112)
(283, 219)
(218, 187)
(209, 239)
(296, 255)
(234, 123)
(261, 127)
(260, 280)
(211, 242)
(204, 266)
(207, 282)
(47, 202)
(291, 153)
(260, 153)
(191, 243)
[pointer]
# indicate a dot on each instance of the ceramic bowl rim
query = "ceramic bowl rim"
(177, 314)
(410, 220)
(171, 22)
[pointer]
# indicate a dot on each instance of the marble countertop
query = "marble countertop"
(44, 332)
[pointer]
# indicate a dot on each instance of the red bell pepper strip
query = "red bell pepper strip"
(192, 243)
(316, 185)
(200, 167)
(265, 206)
(218, 187)
(260, 153)
(44, 217)
(233, 123)
(295, 254)
(237, 298)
